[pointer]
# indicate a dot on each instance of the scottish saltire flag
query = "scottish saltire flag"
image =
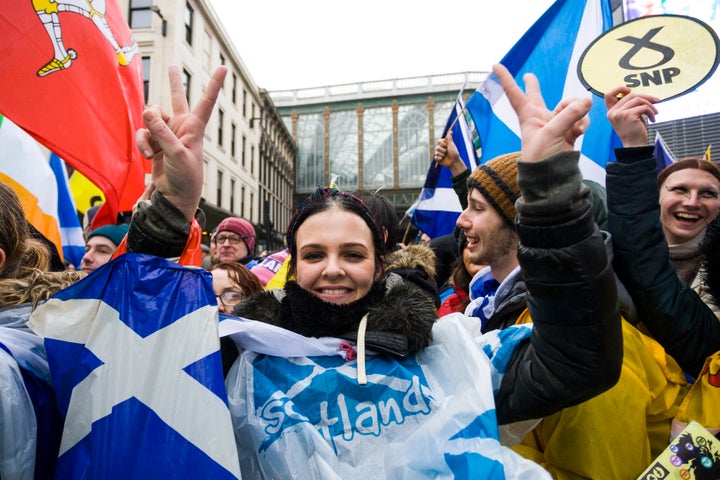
(550, 49)
(299, 412)
(71, 235)
(438, 207)
(24, 168)
(662, 153)
(134, 357)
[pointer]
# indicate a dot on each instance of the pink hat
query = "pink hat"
(240, 226)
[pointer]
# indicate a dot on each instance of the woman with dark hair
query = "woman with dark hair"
(233, 283)
(340, 291)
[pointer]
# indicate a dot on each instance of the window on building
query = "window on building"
(344, 148)
(189, 20)
(207, 50)
(244, 105)
(234, 88)
(218, 200)
(222, 59)
(413, 145)
(244, 149)
(440, 116)
(187, 83)
(146, 78)
(233, 134)
(378, 168)
(232, 195)
(242, 202)
(140, 15)
(221, 123)
(252, 206)
(311, 152)
(252, 159)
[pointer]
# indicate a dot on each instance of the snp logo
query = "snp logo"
(656, 472)
(650, 73)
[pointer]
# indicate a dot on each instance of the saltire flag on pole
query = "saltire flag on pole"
(72, 78)
(71, 234)
(134, 357)
(550, 49)
(24, 168)
(438, 207)
(662, 153)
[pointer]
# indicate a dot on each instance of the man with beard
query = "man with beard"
(497, 292)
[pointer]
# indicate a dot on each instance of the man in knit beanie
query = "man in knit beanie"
(100, 246)
(489, 226)
(235, 239)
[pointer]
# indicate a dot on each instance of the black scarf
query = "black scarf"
(307, 314)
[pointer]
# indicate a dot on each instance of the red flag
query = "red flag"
(72, 78)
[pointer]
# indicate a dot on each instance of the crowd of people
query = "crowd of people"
(566, 337)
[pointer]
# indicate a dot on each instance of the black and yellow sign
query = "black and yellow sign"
(660, 55)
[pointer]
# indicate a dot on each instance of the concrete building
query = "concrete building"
(249, 154)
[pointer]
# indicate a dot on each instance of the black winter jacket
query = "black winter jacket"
(670, 310)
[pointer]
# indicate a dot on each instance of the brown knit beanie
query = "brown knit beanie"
(497, 181)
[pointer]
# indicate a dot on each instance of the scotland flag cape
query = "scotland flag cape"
(134, 357)
(299, 412)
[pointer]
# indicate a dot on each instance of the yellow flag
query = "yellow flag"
(707, 156)
(85, 193)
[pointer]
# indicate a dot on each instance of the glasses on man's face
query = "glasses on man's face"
(233, 239)
(231, 298)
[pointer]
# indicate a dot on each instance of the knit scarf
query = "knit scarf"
(304, 313)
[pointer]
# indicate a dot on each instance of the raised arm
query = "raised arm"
(162, 218)
(669, 308)
(175, 143)
(575, 351)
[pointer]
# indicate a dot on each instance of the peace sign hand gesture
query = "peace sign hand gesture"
(543, 132)
(175, 143)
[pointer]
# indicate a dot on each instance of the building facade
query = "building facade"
(372, 135)
(248, 161)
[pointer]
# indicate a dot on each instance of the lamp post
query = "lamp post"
(163, 28)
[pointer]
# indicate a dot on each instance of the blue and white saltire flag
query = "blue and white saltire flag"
(71, 234)
(438, 207)
(134, 357)
(550, 49)
(299, 411)
(662, 153)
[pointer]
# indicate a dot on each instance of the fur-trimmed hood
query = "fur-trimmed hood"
(400, 317)
(416, 265)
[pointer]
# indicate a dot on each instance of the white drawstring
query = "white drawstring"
(362, 377)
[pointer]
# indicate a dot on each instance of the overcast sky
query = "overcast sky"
(287, 44)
